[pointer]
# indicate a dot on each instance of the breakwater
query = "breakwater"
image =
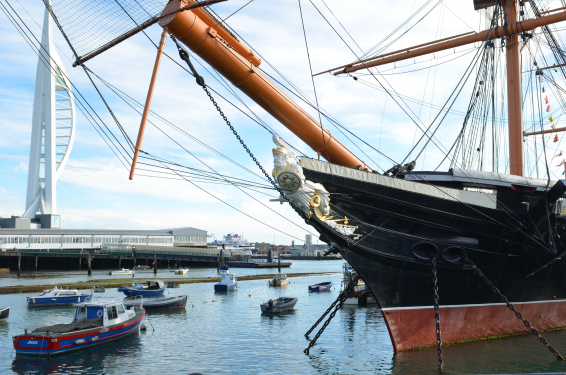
(116, 283)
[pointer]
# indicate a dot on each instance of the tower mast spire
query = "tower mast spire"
(53, 127)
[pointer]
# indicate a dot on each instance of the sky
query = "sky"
(94, 190)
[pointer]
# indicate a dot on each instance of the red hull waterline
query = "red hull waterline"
(414, 328)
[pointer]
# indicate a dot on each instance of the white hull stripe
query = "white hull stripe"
(476, 305)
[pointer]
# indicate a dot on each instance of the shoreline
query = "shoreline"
(116, 283)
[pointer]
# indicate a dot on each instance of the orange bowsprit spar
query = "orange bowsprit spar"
(236, 62)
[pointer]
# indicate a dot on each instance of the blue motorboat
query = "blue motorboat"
(154, 304)
(153, 288)
(95, 322)
(57, 297)
(320, 287)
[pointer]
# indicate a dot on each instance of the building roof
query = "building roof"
(87, 232)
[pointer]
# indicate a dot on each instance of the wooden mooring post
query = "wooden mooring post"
(19, 264)
(155, 264)
(36, 263)
(119, 262)
(80, 263)
(89, 265)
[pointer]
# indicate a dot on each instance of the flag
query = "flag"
(546, 100)
(561, 163)
(540, 78)
(551, 119)
(554, 127)
(548, 108)
(556, 138)
(560, 154)
(154, 262)
(543, 89)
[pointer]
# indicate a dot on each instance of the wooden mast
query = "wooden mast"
(514, 102)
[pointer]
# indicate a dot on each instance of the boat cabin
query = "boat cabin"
(154, 285)
(109, 312)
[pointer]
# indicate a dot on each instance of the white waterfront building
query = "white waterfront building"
(85, 239)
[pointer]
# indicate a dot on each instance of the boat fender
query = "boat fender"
(79, 341)
(94, 338)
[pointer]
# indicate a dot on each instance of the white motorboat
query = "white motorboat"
(227, 282)
(182, 271)
(278, 280)
(123, 271)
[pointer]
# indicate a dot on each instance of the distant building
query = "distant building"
(84, 239)
(309, 250)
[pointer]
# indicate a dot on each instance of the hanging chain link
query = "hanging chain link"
(512, 308)
(200, 81)
(348, 290)
(337, 306)
(437, 314)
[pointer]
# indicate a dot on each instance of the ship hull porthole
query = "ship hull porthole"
(453, 254)
(424, 251)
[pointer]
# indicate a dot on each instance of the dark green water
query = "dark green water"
(231, 336)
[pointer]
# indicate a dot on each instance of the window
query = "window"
(121, 309)
(111, 312)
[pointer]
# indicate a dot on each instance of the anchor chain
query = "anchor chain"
(200, 81)
(337, 305)
(512, 308)
(437, 314)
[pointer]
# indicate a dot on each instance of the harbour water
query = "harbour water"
(230, 336)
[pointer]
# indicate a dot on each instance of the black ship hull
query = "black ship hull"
(397, 229)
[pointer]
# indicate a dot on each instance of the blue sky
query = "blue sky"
(94, 190)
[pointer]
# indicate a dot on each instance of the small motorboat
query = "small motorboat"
(279, 305)
(98, 289)
(96, 321)
(133, 286)
(182, 271)
(173, 285)
(153, 288)
(320, 287)
(123, 271)
(155, 304)
(140, 267)
(4, 314)
(57, 297)
(278, 280)
(228, 280)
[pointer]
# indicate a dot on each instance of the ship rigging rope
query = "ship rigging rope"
(316, 97)
(380, 83)
(200, 81)
(26, 37)
(83, 108)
